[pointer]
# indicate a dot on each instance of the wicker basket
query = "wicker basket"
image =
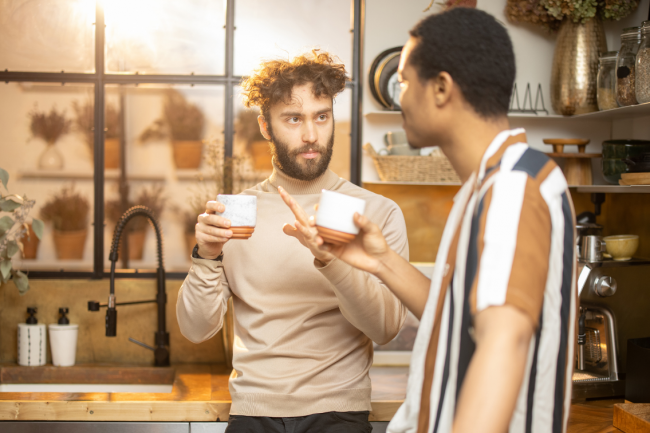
(434, 168)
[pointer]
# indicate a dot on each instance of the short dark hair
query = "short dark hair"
(472, 47)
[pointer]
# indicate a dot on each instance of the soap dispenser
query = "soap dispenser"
(63, 340)
(32, 341)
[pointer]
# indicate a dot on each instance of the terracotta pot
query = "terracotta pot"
(69, 245)
(187, 153)
(136, 240)
(30, 244)
(190, 241)
(261, 152)
(575, 66)
(112, 153)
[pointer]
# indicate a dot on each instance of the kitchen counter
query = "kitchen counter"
(199, 394)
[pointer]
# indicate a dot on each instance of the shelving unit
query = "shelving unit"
(111, 174)
(630, 112)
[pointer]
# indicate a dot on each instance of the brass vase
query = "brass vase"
(575, 66)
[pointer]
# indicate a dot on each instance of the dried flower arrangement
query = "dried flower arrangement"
(67, 210)
(181, 120)
(153, 198)
(13, 227)
(50, 127)
(448, 4)
(550, 13)
(84, 122)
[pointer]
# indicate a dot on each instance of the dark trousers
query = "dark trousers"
(329, 422)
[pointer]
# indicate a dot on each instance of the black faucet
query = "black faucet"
(161, 351)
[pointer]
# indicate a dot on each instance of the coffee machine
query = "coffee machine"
(614, 306)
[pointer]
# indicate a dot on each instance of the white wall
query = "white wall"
(387, 25)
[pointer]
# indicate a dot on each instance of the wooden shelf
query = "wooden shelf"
(110, 174)
(388, 114)
(633, 189)
(380, 182)
(639, 110)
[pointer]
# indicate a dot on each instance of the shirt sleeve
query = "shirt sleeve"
(202, 300)
(510, 247)
(364, 300)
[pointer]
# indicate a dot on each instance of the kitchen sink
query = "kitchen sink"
(84, 387)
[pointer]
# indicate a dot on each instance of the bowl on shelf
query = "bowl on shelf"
(615, 152)
(621, 247)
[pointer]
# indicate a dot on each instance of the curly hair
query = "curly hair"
(274, 80)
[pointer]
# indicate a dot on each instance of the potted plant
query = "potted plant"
(136, 229)
(182, 122)
(14, 211)
(68, 212)
(84, 123)
(580, 41)
(49, 127)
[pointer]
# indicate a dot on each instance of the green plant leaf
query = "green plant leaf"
(21, 281)
(5, 224)
(38, 226)
(12, 249)
(7, 205)
(4, 177)
(5, 269)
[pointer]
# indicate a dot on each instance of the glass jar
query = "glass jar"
(625, 66)
(643, 66)
(606, 94)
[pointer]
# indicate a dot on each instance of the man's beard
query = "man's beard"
(287, 160)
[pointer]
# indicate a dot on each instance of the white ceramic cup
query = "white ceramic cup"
(63, 342)
(336, 211)
(241, 209)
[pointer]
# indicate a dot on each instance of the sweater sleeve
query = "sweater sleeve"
(202, 300)
(364, 300)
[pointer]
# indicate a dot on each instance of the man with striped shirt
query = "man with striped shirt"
(494, 351)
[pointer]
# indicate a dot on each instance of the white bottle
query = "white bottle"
(63, 341)
(32, 341)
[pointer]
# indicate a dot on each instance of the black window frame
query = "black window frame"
(100, 79)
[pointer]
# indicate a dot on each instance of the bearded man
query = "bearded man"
(304, 322)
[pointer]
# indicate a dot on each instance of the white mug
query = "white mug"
(241, 209)
(336, 211)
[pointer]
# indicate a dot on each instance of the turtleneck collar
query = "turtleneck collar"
(326, 180)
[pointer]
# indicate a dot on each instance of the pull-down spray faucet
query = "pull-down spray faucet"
(161, 351)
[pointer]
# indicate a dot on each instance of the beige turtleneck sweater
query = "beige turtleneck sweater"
(303, 332)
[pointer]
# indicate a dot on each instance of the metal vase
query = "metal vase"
(575, 66)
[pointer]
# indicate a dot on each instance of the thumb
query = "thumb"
(364, 223)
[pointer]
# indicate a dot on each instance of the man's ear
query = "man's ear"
(441, 86)
(263, 127)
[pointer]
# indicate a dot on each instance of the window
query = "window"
(117, 66)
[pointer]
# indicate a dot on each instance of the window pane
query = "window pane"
(285, 28)
(49, 162)
(47, 35)
(169, 134)
(165, 36)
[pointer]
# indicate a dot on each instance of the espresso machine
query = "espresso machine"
(614, 306)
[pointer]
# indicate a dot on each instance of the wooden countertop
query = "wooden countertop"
(200, 393)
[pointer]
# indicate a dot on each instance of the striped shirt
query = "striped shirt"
(509, 240)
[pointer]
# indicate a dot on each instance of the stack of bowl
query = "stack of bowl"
(615, 152)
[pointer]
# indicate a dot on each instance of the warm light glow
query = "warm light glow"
(130, 19)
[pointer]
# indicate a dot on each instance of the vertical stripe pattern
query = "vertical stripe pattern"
(513, 244)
